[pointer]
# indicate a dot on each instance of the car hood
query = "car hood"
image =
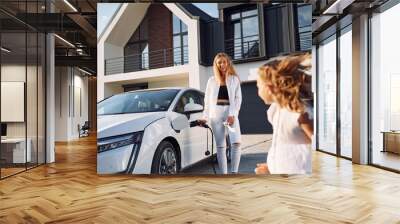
(118, 124)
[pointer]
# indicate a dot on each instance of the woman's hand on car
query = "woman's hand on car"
(202, 121)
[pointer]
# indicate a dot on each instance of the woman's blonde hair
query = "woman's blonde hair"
(230, 70)
(288, 81)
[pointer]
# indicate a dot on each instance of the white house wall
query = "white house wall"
(124, 24)
(205, 74)
(152, 73)
(248, 71)
(193, 42)
(111, 43)
(177, 80)
(100, 70)
(118, 33)
(112, 89)
(169, 83)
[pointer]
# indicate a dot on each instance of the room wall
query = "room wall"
(33, 126)
(16, 73)
(70, 83)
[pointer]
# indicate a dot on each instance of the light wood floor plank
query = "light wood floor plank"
(70, 191)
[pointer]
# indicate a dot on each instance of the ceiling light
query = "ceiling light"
(5, 50)
(65, 41)
(70, 5)
(84, 71)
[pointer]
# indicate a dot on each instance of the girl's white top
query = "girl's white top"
(290, 151)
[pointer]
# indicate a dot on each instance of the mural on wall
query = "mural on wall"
(196, 122)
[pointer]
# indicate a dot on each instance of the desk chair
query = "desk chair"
(84, 130)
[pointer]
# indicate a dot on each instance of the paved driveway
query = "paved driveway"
(254, 150)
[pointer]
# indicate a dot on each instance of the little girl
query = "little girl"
(284, 84)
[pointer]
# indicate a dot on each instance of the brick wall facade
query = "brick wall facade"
(160, 36)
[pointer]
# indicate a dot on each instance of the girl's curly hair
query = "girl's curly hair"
(287, 79)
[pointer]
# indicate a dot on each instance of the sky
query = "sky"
(104, 13)
(106, 10)
(210, 8)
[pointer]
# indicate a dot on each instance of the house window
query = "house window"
(180, 41)
(136, 51)
(242, 40)
(304, 33)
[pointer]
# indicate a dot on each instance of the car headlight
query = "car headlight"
(119, 141)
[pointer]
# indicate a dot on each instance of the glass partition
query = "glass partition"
(327, 95)
(22, 78)
(13, 94)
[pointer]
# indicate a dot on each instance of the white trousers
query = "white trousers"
(220, 131)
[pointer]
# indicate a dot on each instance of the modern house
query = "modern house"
(173, 44)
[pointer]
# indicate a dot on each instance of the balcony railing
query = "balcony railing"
(242, 48)
(148, 60)
(305, 38)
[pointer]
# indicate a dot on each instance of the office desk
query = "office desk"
(15, 148)
(391, 141)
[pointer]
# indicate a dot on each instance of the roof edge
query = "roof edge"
(109, 22)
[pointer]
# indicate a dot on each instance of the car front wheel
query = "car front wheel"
(165, 160)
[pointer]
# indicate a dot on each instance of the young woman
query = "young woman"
(284, 85)
(221, 109)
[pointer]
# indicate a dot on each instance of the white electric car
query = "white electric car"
(148, 131)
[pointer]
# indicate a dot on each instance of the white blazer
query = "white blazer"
(211, 96)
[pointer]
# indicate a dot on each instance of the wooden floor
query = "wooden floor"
(387, 159)
(10, 171)
(70, 191)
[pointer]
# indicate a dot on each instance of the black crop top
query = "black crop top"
(223, 93)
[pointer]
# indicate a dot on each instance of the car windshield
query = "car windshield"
(137, 102)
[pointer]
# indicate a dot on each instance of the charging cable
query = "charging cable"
(207, 153)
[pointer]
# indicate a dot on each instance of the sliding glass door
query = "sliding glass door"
(334, 101)
(385, 89)
(13, 94)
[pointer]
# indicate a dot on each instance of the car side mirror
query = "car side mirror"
(193, 108)
(180, 122)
